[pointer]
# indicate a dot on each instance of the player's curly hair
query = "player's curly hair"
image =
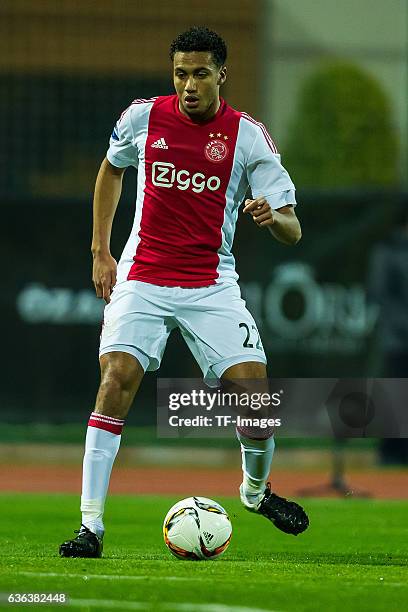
(200, 38)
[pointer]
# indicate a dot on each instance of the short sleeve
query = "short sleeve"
(122, 150)
(266, 175)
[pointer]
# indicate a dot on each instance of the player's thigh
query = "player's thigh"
(246, 369)
(246, 377)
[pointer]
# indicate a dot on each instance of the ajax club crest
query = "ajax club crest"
(216, 150)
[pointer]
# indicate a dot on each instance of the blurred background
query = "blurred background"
(330, 81)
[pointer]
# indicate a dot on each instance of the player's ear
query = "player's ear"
(222, 76)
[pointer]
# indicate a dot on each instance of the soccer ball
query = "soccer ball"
(197, 528)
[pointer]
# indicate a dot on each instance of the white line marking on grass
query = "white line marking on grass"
(112, 603)
(190, 607)
(86, 576)
(144, 605)
(375, 582)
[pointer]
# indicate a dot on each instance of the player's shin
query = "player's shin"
(101, 447)
(257, 457)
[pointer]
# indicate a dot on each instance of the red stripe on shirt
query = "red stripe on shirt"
(138, 101)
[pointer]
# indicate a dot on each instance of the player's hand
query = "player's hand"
(104, 275)
(261, 212)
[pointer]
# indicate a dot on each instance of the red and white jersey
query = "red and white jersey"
(191, 181)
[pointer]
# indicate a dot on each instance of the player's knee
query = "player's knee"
(115, 375)
(120, 370)
(120, 379)
(114, 395)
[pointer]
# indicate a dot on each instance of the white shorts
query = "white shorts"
(214, 322)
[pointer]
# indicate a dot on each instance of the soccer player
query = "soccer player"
(196, 157)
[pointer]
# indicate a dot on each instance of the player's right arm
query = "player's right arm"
(107, 194)
(122, 153)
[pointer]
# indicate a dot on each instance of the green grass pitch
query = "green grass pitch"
(353, 557)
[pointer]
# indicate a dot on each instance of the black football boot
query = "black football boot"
(86, 544)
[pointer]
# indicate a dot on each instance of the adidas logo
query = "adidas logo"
(160, 144)
(208, 536)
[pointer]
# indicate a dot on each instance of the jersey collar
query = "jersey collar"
(187, 120)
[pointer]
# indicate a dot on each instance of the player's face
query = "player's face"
(197, 81)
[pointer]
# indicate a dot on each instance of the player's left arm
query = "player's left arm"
(282, 223)
(273, 190)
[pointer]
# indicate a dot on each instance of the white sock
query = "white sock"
(101, 447)
(256, 464)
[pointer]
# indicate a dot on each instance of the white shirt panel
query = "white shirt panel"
(235, 193)
(126, 144)
(257, 166)
(129, 150)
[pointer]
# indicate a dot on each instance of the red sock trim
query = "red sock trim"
(108, 423)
